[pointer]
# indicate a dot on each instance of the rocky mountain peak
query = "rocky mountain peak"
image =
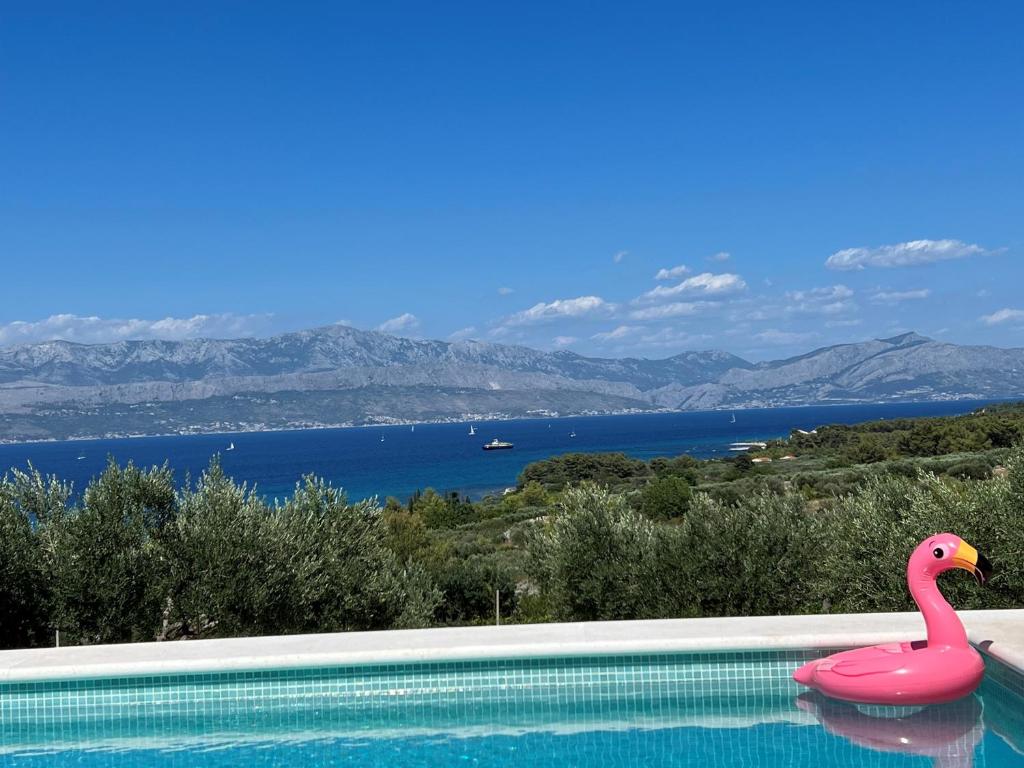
(907, 339)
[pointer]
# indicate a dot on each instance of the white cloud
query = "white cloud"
(1003, 316)
(618, 333)
(720, 256)
(462, 333)
(505, 291)
(895, 297)
(583, 306)
(618, 257)
(828, 300)
(782, 338)
(909, 254)
(705, 283)
(675, 309)
(404, 322)
(672, 273)
(830, 292)
(563, 341)
(99, 330)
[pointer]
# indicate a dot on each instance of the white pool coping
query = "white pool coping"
(999, 633)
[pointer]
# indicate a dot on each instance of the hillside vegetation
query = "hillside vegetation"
(584, 537)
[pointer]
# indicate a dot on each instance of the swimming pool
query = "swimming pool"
(673, 709)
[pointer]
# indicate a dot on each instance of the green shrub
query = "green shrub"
(743, 463)
(24, 588)
(597, 559)
(753, 558)
(343, 575)
(439, 511)
(970, 470)
(101, 558)
(312, 564)
(468, 586)
(681, 466)
(407, 534)
(871, 534)
(664, 498)
(573, 468)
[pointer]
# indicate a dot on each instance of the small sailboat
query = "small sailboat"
(412, 428)
(231, 447)
(80, 457)
(382, 437)
(573, 433)
(733, 419)
(472, 430)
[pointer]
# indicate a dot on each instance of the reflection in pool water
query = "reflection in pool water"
(947, 733)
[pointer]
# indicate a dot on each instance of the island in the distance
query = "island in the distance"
(341, 376)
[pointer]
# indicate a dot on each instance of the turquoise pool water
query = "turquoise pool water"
(735, 709)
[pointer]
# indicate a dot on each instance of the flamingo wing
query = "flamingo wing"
(883, 664)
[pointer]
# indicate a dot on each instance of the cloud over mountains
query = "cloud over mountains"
(100, 330)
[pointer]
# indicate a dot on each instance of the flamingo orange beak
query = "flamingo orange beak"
(968, 558)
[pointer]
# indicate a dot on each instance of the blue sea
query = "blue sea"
(444, 456)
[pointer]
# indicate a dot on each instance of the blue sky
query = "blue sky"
(804, 173)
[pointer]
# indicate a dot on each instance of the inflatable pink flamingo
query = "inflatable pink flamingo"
(943, 668)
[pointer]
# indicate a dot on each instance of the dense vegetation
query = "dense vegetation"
(583, 537)
(831, 461)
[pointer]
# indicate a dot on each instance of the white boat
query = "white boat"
(733, 419)
(472, 430)
(382, 438)
(79, 458)
(497, 445)
(412, 428)
(573, 433)
(231, 447)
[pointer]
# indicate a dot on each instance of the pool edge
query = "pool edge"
(998, 633)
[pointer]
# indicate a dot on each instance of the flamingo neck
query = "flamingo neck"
(944, 627)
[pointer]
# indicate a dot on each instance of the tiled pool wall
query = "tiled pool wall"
(637, 689)
(1007, 677)
(544, 706)
(590, 678)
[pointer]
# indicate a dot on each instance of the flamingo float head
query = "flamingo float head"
(944, 552)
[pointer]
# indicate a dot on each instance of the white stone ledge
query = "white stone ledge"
(999, 633)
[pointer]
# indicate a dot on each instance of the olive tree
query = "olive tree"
(236, 565)
(100, 557)
(596, 558)
(26, 498)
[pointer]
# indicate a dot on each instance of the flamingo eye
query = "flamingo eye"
(938, 552)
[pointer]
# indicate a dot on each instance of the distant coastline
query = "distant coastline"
(491, 418)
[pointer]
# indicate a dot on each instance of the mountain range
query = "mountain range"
(341, 376)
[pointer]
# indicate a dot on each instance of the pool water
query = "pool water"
(733, 709)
